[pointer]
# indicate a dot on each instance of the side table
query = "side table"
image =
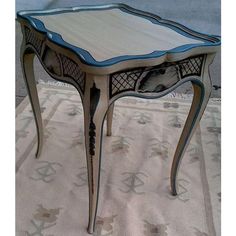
(110, 51)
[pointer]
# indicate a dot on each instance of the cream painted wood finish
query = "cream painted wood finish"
(113, 32)
(107, 32)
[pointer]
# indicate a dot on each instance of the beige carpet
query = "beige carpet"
(52, 194)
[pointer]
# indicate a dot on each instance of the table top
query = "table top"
(106, 35)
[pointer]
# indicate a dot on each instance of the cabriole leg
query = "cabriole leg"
(95, 108)
(109, 119)
(202, 92)
(27, 60)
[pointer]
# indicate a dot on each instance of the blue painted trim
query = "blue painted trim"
(87, 58)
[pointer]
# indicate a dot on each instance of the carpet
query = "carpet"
(52, 192)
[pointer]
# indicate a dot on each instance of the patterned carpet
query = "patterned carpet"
(52, 193)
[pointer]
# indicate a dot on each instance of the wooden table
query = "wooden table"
(110, 51)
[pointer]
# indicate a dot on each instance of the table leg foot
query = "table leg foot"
(90, 230)
(109, 119)
(28, 72)
(202, 91)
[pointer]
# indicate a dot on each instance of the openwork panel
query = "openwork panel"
(32, 39)
(191, 66)
(156, 78)
(72, 70)
(125, 80)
